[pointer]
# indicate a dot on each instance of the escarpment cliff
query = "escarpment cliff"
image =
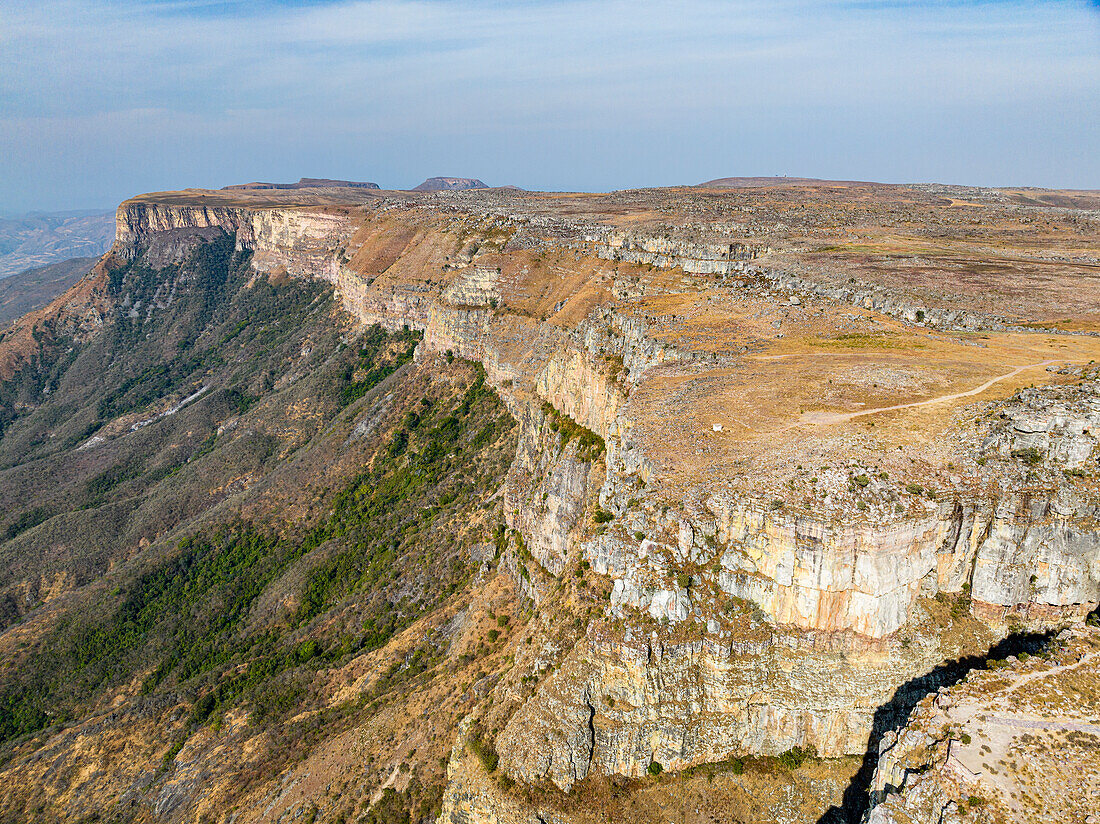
(790, 509)
(665, 252)
(305, 242)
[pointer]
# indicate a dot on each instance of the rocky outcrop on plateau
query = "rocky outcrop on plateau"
(449, 184)
(1016, 741)
(667, 252)
(305, 183)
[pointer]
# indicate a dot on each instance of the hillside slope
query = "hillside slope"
(253, 493)
(34, 288)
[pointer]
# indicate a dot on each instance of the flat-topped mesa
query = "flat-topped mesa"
(803, 568)
(449, 184)
(740, 259)
(723, 552)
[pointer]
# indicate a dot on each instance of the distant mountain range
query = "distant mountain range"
(752, 182)
(432, 184)
(41, 238)
(307, 183)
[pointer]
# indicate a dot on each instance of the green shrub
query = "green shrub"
(307, 650)
(654, 768)
(169, 757)
(28, 520)
(97, 488)
(377, 360)
(793, 758)
(961, 606)
(483, 748)
(602, 516)
(590, 445)
(1030, 456)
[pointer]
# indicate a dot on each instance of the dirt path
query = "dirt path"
(1034, 676)
(1030, 721)
(994, 731)
(826, 418)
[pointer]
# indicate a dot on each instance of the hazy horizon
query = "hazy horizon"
(103, 103)
(112, 207)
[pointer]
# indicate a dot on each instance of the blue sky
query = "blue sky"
(102, 99)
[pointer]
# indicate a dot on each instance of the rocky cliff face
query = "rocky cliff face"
(667, 252)
(623, 700)
(547, 492)
(733, 625)
(1025, 553)
(304, 242)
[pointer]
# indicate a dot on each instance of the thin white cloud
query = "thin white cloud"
(74, 55)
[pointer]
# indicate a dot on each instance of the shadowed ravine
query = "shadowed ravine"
(893, 715)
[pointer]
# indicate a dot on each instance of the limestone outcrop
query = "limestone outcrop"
(305, 242)
(547, 492)
(622, 700)
(667, 252)
(1062, 425)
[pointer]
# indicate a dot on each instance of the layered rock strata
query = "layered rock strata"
(821, 598)
(622, 700)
